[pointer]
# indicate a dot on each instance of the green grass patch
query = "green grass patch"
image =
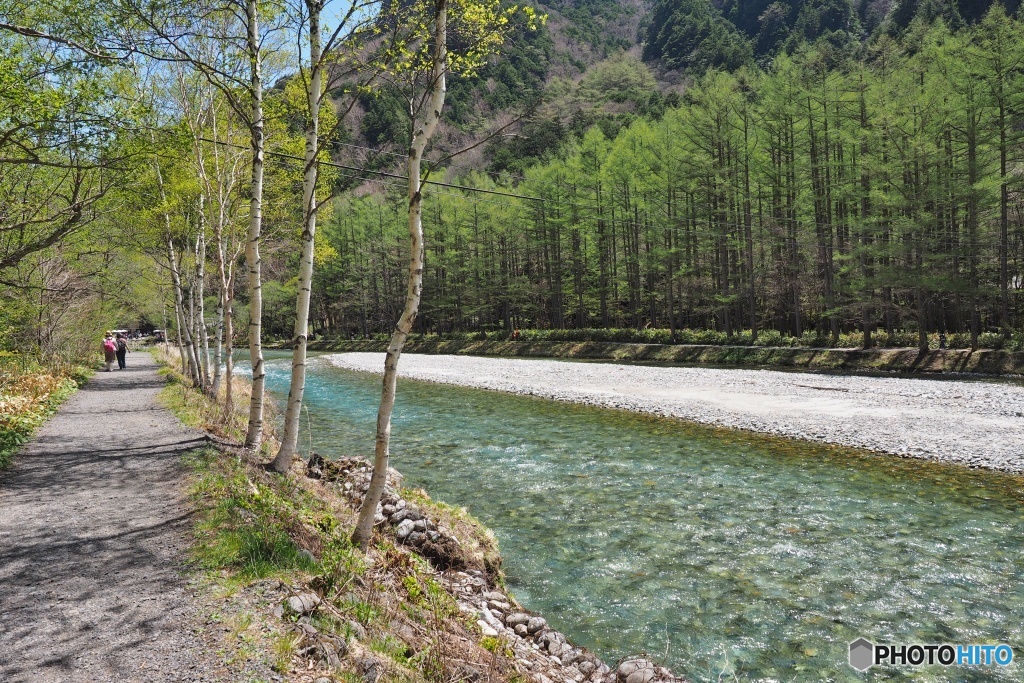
(245, 525)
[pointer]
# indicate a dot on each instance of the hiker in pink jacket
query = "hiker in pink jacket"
(109, 351)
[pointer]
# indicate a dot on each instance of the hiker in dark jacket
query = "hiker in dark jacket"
(122, 350)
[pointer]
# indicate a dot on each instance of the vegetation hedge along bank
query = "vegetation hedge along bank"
(29, 393)
(770, 338)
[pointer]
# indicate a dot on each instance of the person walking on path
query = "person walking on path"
(122, 350)
(109, 351)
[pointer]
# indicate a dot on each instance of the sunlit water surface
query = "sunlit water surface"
(713, 550)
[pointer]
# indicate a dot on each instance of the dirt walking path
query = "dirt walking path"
(93, 534)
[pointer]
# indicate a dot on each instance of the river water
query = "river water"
(718, 552)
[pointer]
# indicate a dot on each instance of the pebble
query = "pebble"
(404, 529)
(636, 671)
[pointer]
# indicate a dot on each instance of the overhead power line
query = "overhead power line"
(464, 188)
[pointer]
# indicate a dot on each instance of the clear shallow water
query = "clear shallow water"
(712, 550)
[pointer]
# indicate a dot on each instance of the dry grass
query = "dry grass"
(29, 394)
(201, 411)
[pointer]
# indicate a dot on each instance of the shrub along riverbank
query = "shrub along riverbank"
(897, 360)
(30, 393)
(425, 604)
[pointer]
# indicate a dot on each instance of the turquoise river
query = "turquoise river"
(726, 555)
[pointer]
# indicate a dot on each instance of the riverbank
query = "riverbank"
(425, 603)
(976, 424)
(908, 361)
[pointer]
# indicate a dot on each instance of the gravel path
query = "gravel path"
(93, 532)
(979, 424)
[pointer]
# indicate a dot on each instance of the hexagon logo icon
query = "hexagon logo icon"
(862, 653)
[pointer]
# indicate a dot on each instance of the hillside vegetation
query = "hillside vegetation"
(834, 190)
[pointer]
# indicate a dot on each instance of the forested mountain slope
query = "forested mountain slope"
(832, 190)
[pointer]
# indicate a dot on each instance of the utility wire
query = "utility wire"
(381, 173)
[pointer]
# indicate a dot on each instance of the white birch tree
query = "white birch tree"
(420, 71)
(353, 24)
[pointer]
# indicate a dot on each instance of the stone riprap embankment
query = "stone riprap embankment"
(541, 654)
(978, 424)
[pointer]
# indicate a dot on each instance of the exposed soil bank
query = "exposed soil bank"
(982, 362)
(977, 424)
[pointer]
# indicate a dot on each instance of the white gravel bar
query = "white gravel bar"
(978, 424)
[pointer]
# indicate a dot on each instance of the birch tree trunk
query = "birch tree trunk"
(181, 344)
(188, 365)
(229, 347)
(179, 307)
(290, 439)
(203, 339)
(195, 356)
(421, 135)
(254, 431)
(218, 347)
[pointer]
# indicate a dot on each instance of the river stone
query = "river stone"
(357, 630)
(498, 604)
(536, 624)
(405, 528)
(303, 603)
(399, 515)
(521, 630)
(517, 618)
(636, 671)
(486, 629)
(585, 667)
(416, 537)
(421, 525)
(494, 595)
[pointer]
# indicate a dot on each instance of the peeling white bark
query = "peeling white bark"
(254, 431)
